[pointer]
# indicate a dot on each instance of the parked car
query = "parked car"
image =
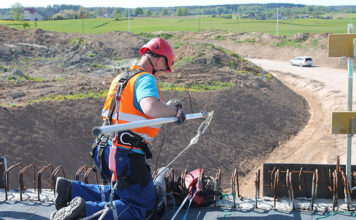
(302, 61)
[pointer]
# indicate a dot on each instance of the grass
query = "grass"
(287, 43)
(78, 40)
(184, 60)
(102, 94)
(213, 85)
(61, 97)
(144, 26)
(60, 79)
(25, 77)
(73, 96)
(98, 65)
(267, 76)
(4, 68)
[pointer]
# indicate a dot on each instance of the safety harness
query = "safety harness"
(127, 138)
(201, 130)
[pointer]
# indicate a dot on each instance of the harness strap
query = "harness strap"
(122, 82)
(131, 139)
(190, 202)
(103, 168)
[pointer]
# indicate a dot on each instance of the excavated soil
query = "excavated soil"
(251, 119)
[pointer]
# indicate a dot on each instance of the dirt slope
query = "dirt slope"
(251, 118)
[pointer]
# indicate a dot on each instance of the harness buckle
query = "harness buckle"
(127, 140)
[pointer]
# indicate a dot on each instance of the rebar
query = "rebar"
(93, 168)
(6, 175)
(39, 179)
(233, 187)
(22, 171)
(54, 175)
(291, 190)
(335, 189)
(217, 186)
(257, 187)
(275, 187)
(346, 189)
(79, 171)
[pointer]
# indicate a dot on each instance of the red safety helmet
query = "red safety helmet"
(160, 47)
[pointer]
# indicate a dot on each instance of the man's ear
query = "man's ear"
(162, 61)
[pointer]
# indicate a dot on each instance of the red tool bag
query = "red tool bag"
(205, 195)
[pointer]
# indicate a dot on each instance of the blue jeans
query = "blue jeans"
(131, 202)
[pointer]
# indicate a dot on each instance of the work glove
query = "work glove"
(180, 113)
(175, 102)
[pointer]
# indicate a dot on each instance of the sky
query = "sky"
(164, 3)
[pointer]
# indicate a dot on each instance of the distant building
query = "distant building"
(30, 14)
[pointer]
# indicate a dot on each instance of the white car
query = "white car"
(302, 61)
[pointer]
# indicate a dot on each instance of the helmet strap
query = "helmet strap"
(153, 68)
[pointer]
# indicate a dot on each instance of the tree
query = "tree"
(315, 14)
(182, 11)
(65, 14)
(16, 11)
(185, 11)
(138, 11)
(179, 12)
(148, 13)
(116, 11)
(82, 13)
(220, 10)
(100, 12)
(164, 12)
(124, 14)
(26, 25)
(117, 17)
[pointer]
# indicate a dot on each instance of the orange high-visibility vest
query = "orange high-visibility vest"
(127, 111)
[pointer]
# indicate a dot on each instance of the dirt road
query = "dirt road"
(325, 90)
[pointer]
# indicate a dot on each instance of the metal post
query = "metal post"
(277, 24)
(291, 27)
(349, 108)
(199, 23)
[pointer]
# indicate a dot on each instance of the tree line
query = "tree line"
(256, 11)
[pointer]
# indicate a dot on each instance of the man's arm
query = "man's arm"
(152, 107)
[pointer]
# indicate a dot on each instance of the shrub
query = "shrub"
(26, 25)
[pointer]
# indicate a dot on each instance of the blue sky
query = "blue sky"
(164, 3)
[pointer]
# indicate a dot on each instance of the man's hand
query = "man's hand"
(180, 115)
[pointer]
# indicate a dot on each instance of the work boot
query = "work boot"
(63, 192)
(75, 210)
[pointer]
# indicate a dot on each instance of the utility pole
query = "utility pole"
(199, 23)
(344, 45)
(128, 17)
(349, 108)
(277, 24)
(291, 26)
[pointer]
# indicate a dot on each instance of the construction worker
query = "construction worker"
(140, 99)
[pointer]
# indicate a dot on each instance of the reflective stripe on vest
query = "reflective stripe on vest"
(127, 111)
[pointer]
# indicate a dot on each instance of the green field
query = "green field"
(138, 25)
